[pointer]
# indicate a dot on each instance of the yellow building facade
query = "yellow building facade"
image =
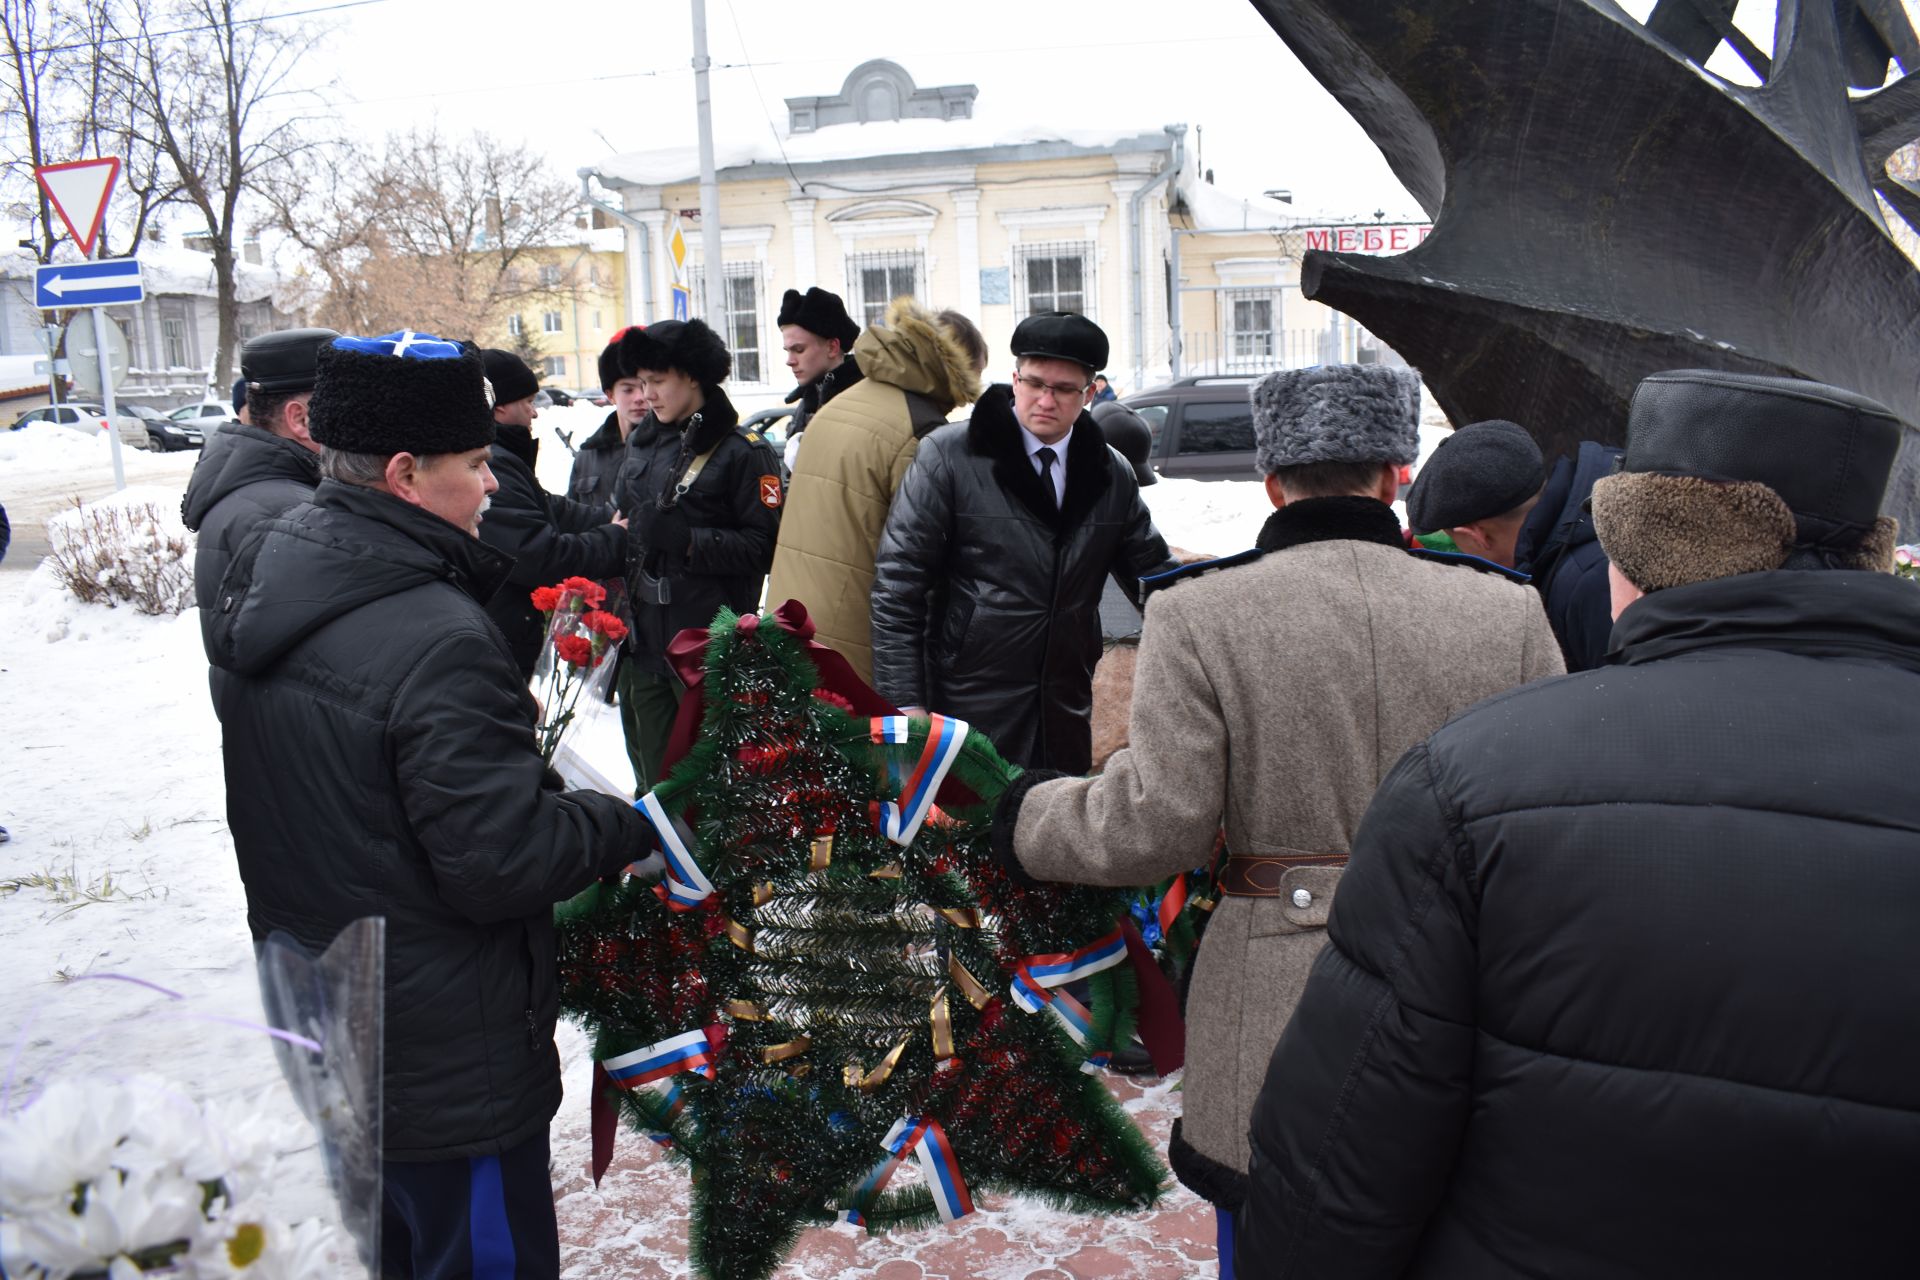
(575, 300)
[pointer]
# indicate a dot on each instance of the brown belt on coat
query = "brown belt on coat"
(1259, 876)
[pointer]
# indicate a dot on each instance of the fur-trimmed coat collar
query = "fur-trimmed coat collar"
(1354, 519)
(994, 432)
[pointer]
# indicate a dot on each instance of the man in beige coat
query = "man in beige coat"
(1274, 690)
(858, 447)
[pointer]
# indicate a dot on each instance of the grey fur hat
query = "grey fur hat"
(1336, 413)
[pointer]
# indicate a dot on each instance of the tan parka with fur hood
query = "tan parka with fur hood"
(850, 463)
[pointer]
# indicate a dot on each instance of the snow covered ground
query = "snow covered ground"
(120, 864)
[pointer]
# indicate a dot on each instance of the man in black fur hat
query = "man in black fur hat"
(702, 499)
(818, 336)
(380, 761)
(986, 593)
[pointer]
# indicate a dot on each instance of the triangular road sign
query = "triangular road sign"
(79, 191)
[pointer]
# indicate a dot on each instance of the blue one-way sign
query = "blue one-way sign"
(87, 284)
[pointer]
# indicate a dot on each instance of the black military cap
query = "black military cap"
(1062, 335)
(1482, 470)
(284, 362)
(1827, 452)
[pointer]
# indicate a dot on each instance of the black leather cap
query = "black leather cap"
(1827, 452)
(284, 362)
(1062, 335)
(1484, 469)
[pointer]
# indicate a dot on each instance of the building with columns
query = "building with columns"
(886, 187)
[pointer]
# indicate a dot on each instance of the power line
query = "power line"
(762, 99)
(208, 26)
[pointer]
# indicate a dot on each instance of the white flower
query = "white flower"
(135, 1211)
(250, 1247)
(68, 1136)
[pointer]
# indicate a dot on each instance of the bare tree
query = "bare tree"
(31, 35)
(215, 95)
(434, 234)
(107, 124)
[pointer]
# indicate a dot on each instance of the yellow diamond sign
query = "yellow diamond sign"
(677, 246)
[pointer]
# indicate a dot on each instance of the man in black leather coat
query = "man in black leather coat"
(1623, 969)
(986, 593)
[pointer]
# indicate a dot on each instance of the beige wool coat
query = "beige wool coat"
(1271, 698)
(851, 460)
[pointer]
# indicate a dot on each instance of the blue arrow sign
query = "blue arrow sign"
(87, 284)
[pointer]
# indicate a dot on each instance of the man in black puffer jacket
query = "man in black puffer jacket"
(250, 473)
(380, 761)
(1623, 969)
(548, 537)
(987, 585)
(702, 499)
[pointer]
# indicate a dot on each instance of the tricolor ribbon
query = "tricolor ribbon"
(927, 1142)
(900, 819)
(1035, 978)
(687, 1051)
(686, 884)
(672, 1103)
(1172, 903)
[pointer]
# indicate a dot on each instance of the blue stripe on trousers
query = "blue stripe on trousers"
(1224, 1221)
(492, 1240)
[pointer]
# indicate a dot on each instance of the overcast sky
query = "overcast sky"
(582, 80)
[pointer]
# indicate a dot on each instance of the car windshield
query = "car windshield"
(181, 415)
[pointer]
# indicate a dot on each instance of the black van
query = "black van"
(1202, 427)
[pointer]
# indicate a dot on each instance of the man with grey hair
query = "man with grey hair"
(1273, 691)
(380, 761)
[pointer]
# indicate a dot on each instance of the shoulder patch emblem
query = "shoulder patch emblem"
(770, 491)
(754, 437)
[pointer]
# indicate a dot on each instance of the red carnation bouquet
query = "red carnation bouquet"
(581, 641)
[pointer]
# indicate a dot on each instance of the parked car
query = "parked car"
(204, 413)
(82, 416)
(593, 396)
(1202, 427)
(169, 431)
(772, 424)
(555, 396)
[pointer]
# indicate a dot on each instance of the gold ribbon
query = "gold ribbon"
(746, 1011)
(867, 1082)
(942, 1021)
(889, 872)
(970, 987)
(763, 893)
(964, 917)
(740, 935)
(780, 1052)
(822, 853)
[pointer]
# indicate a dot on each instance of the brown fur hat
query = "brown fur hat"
(1670, 531)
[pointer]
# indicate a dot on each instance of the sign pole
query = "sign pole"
(106, 394)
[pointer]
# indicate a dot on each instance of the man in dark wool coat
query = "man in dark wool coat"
(380, 761)
(987, 583)
(1623, 973)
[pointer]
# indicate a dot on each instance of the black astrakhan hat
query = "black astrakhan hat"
(610, 370)
(402, 392)
(818, 311)
(687, 345)
(1483, 470)
(283, 363)
(1062, 335)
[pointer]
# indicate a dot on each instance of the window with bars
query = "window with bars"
(876, 279)
(1055, 277)
(740, 327)
(1253, 324)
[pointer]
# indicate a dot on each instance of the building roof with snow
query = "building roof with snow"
(880, 119)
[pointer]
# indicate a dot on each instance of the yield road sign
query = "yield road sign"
(78, 191)
(87, 284)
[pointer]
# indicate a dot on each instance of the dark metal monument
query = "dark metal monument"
(1604, 208)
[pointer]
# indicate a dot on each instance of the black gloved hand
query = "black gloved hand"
(671, 536)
